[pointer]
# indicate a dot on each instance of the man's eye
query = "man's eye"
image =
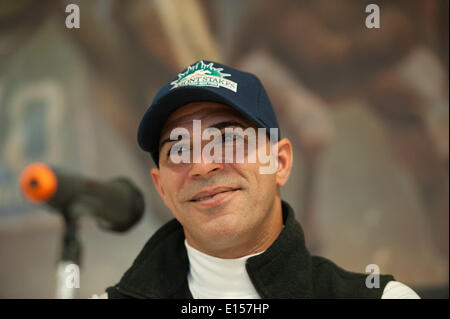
(239, 138)
(227, 138)
(230, 138)
(178, 149)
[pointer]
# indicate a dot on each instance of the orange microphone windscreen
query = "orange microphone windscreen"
(38, 182)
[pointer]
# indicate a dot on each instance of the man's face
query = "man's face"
(220, 205)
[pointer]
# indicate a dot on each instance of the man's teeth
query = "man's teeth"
(204, 198)
(211, 196)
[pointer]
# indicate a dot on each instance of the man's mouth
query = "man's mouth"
(208, 194)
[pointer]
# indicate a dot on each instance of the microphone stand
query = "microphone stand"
(73, 197)
(68, 265)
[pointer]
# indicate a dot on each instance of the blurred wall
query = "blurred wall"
(366, 110)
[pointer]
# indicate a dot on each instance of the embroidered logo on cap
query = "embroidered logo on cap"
(202, 74)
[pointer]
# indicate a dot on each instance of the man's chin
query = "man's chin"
(220, 227)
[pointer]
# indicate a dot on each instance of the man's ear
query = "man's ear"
(157, 181)
(285, 160)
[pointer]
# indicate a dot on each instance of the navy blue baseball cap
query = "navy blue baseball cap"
(206, 81)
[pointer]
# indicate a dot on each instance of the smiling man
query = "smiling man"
(208, 198)
(212, 133)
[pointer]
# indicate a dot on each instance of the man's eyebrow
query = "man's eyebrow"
(219, 125)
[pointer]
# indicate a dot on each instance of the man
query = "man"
(221, 161)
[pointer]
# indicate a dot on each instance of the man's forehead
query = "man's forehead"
(204, 111)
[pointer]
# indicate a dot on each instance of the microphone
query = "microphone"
(116, 205)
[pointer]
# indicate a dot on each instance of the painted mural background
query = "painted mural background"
(366, 110)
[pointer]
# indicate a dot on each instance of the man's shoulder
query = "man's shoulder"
(331, 281)
(160, 269)
(323, 264)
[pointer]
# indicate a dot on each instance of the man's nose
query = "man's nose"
(205, 169)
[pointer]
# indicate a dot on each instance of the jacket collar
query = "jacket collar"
(161, 268)
(284, 270)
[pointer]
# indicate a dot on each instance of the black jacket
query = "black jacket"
(284, 270)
